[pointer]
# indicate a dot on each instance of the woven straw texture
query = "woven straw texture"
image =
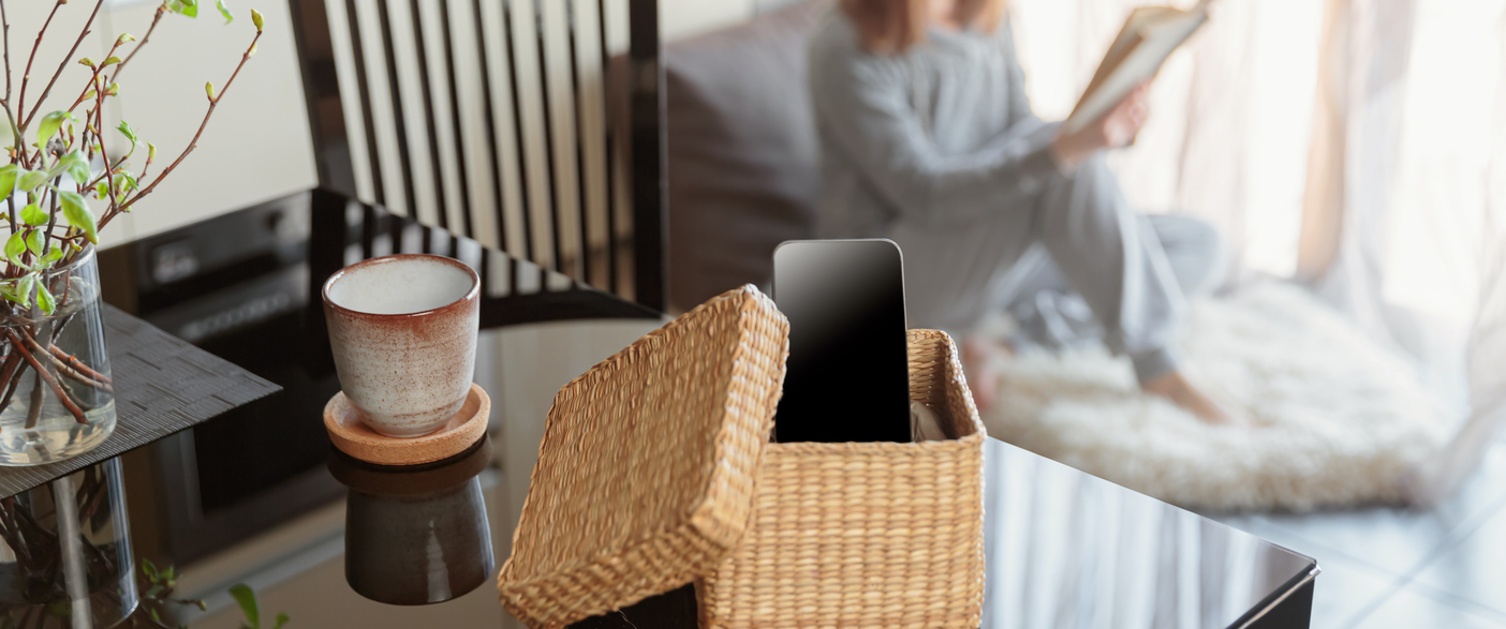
(866, 534)
(646, 473)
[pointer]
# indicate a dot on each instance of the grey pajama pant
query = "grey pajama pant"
(1071, 262)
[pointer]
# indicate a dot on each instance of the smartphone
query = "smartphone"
(847, 378)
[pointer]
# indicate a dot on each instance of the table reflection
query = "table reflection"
(1069, 550)
(416, 535)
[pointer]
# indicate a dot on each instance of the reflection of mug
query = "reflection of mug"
(414, 537)
(403, 332)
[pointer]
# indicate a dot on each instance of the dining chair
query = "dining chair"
(532, 127)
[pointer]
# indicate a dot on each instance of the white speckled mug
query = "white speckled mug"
(403, 332)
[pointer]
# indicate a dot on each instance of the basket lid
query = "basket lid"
(645, 475)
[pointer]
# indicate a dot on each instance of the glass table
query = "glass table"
(1067, 549)
(259, 496)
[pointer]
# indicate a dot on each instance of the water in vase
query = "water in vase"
(68, 406)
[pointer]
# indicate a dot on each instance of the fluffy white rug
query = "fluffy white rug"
(1335, 419)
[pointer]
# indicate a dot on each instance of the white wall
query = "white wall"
(684, 18)
(255, 148)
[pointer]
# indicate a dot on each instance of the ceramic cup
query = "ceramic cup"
(403, 332)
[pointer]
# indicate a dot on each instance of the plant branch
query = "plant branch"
(20, 155)
(98, 69)
(8, 368)
(78, 377)
(112, 204)
(5, 27)
(161, 10)
(7, 375)
(63, 64)
(34, 410)
(10, 529)
(73, 362)
(26, 76)
(214, 102)
(45, 375)
(52, 216)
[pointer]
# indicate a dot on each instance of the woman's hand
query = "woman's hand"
(1115, 129)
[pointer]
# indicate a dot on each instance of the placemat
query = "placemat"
(163, 385)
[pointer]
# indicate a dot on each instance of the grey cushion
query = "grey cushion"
(743, 167)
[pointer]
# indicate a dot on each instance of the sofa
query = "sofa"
(743, 159)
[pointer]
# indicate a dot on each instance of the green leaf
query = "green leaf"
(59, 610)
(34, 241)
(77, 167)
(151, 151)
(110, 61)
(9, 291)
(229, 17)
(256, 19)
(31, 179)
(189, 8)
(124, 38)
(125, 181)
(282, 619)
(14, 247)
(101, 190)
(50, 125)
(126, 130)
(8, 174)
(26, 288)
(85, 61)
(78, 214)
(44, 299)
(54, 253)
(247, 600)
(34, 215)
(209, 90)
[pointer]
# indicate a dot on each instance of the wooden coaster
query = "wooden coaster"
(410, 480)
(354, 438)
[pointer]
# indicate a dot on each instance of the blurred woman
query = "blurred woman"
(927, 139)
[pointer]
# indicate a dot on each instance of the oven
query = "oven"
(239, 286)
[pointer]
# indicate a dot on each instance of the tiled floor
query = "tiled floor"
(1397, 568)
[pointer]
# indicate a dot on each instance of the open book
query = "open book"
(1149, 36)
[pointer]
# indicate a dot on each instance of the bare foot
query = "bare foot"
(1179, 391)
(978, 356)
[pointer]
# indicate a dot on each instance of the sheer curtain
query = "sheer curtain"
(1356, 146)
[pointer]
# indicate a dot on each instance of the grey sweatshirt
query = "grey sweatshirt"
(936, 136)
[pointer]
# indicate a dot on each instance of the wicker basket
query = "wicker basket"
(866, 534)
(656, 471)
(646, 471)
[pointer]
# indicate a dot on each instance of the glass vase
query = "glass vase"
(56, 396)
(65, 553)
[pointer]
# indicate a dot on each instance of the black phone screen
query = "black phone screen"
(847, 378)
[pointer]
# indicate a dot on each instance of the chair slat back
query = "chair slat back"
(533, 127)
